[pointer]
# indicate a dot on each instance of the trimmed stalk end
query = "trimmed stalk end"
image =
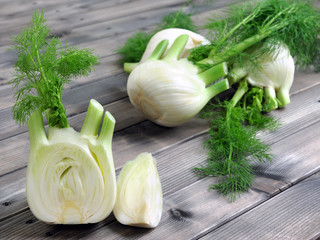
(283, 96)
(107, 129)
(128, 67)
(93, 118)
(159, 50)
(37, 133)
(270, 100)
(217, 88)
(236, 74)
(177, 47)
(214, 73)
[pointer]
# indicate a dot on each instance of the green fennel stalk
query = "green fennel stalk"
(295, 23)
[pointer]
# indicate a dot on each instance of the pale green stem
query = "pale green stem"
(128, 67)
(214, 73)
(238, 48)
(241, 90)
(159, 50)
(107, 128)
(270, 100)
(283, 96)
(37, 133)
(177, 47)
(155, 55)
(234, 50)
(244, 21)
(236, 74)
(93, 119)
(217, 88)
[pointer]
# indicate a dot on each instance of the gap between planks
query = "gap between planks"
(185, 179)
(183, 210)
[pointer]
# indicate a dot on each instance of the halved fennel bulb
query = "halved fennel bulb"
(70, 175)
(170, 91)
(139, 194)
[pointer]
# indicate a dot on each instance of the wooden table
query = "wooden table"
(283, 202)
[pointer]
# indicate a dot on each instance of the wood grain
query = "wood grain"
(149, 137)
(183, 209)
(293, 214)
(283, 200)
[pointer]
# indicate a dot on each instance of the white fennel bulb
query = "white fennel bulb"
(139, 194)
(170, 34)
(275, 74)
(70, 175)
(170, 91)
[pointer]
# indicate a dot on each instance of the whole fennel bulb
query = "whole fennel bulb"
(275, 74)
(170, 91)
(170, 34)
(70, 175)
(139, 194)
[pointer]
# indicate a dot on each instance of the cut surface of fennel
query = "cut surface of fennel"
(139, 194)
(70, 175)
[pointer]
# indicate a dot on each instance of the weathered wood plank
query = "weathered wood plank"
(16, 156)
(9, 128)
(80, 14)
(186, 210)
(306, 103)
(176, 151)
(293, 214)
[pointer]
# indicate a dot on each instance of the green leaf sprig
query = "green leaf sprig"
(293, 22)
(233, 144)
(42, 69)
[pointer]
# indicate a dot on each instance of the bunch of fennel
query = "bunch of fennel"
(70, 175)
(259, 43)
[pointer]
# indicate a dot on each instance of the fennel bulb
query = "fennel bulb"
(70, 175)
(170, 91)
(275, 74)
(171, 35)
(139, 194)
